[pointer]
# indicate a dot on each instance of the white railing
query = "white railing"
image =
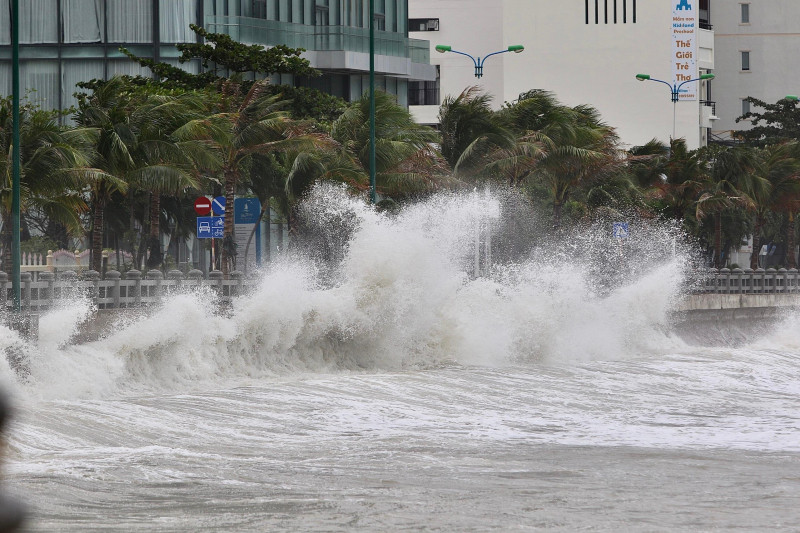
(133, 290)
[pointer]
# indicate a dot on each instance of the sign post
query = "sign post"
(246, 221)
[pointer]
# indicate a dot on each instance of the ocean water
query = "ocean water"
(389, 389)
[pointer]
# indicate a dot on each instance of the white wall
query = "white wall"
(581, 63)
(773, 39)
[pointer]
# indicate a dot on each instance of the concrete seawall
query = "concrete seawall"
(730, 319)
(699, 318)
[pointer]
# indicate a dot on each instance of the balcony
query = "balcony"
(319, 38)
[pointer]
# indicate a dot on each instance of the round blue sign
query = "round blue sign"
(218, 205)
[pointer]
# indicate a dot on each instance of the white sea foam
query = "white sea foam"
(400, 293)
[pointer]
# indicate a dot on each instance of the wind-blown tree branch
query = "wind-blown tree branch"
(470, 129)
(134, 149)
(780, 167)
(406, 163)
(245, 126)
(567, 146)
(730, 180)
(224, 58)
(779, 122)
(54, 166)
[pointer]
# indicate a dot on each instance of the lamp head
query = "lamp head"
(442, 48)
(516, 48)
(708, 76)
(643, 77)
(792, 97)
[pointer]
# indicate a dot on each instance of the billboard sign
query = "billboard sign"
(684, 46)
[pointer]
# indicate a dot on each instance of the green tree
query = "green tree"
(470, 129)
(406, 162)
(730, 179)
(54, 164)
(778, 122)
(780, 167)
(244, 126)
(133, 148)
(566, 147)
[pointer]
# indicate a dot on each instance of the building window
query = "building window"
(610, 11)
(424, 92)
(423, 24)
(745, 13)
(322, 14)
(260, 9)
(745, 60)
(745, 106)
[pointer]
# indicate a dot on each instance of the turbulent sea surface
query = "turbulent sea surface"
(393, 391)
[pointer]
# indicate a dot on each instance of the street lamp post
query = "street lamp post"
(15, 179)
(372, 195)
(675, 90)
(517, 48)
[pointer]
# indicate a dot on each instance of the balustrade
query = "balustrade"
(132, 289)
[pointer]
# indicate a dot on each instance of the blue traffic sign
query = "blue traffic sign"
(218, 205)
(246, 210)
(620, 230)
(210, 227)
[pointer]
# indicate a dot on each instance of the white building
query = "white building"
(757, 44)
(584, 51)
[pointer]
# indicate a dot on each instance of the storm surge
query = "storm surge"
(466, 279)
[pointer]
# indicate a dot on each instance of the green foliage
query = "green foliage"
(38, 245)
(778, 122)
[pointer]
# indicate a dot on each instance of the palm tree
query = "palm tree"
(781, 168)
(470, 130)
(134, 148)
(54, 163)
(244, 127)
(563, 147)
(730, 179)
(163, 165)
(406, 161)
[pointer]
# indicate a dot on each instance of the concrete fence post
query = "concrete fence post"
(736, 279)
(94, 277)
(136, 276)
(3, 290)
(175, 277)
(792, 277)
(115, 278)
(759, 280)
(158, 276)
(25, 279)
(724, 280)
(216, 278)
(747, 280)
(237, 276)
(49, 292)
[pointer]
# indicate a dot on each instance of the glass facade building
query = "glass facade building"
(63, 42)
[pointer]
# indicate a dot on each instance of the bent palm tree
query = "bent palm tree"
(245, 126)
(406, 162)
(54, 165)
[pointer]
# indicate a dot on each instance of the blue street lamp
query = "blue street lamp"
(441, 48)
(675, 91)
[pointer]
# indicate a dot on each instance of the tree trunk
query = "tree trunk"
(557, 215)
(154, 256)
(5, 244)
(718, 240)
(790, 260)
(228, 247)
(756, 242)
(97, 234)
